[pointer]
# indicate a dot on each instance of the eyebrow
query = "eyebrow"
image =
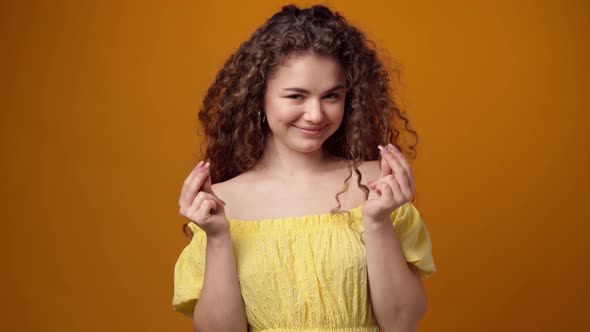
(300, 90)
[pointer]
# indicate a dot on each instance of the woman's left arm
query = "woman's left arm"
(397, 294)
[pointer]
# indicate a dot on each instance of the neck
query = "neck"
(285, 162)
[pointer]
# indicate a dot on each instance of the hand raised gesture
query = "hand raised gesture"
(393, 188)
(199, 204)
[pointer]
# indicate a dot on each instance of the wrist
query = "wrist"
(219, 240)
(377, 224)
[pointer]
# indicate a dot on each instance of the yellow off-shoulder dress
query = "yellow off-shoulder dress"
(302, 273)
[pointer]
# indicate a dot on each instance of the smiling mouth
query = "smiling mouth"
(310, 129)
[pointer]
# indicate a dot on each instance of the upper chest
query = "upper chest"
(256, 197)
(264, 198)
(288, 200)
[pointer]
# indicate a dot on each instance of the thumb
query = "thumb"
(385, 168)
(371, 184)
(206, 187)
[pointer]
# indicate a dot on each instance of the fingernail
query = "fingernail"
(391, 147)
(199, 164)
(205, 168)
(380, 147)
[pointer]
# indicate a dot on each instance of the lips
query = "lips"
(311, 129)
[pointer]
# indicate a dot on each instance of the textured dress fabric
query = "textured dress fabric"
(304, 273)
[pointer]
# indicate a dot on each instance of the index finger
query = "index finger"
(193, 173)
(398, 159)
(191, 186)
(393, 161)
(200, 176)
(402, 160)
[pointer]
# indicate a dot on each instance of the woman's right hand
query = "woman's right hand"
(199, 204)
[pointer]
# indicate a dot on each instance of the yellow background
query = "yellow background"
(99, 130)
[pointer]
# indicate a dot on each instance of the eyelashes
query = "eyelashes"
(332, 95)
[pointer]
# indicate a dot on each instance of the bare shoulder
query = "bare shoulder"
(232, 192)
(225, 189)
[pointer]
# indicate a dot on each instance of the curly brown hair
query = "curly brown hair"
(235, 134)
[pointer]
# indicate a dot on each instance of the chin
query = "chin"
(307, 146)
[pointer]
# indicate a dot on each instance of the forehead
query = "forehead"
(307, 70)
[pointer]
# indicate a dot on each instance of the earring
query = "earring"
(261, 119)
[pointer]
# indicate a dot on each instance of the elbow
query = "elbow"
(417, 306)
(205, 323)
(200, 327)
(421, 306)
(417, 309)
(406, 317)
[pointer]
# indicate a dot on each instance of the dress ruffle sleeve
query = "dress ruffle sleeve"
(189, 272)
(414, 238)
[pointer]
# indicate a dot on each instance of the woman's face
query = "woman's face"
(304, 101)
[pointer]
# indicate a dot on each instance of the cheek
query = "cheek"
(281, 112)
(336, 113)
(282, 115)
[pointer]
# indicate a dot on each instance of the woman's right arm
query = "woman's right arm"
(220, 306)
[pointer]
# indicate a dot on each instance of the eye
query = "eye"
(333, 95)
(295, 96)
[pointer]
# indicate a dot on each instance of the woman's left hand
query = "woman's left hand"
(393, 188)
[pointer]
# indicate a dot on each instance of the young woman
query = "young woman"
(286, 232)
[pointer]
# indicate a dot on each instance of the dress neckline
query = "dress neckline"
(307, 223)
(356, 212)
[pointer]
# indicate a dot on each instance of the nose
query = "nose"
(313, 112)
